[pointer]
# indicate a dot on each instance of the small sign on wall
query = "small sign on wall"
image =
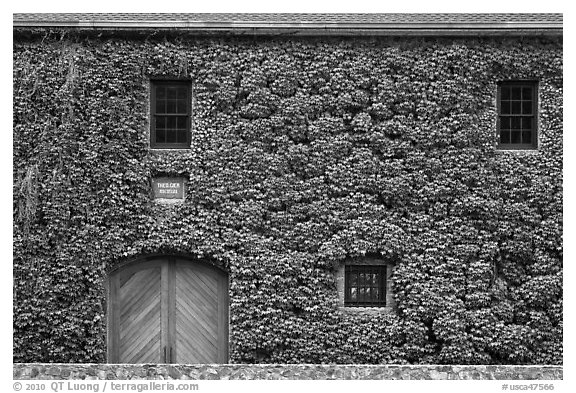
(168, 188)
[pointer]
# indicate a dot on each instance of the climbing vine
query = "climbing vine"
(305, 152)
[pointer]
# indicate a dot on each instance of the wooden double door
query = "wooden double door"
(168, 310)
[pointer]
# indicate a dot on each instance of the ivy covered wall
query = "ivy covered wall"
(305, 152)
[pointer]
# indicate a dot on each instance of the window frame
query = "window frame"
(154, 83)
(533, 84)
(381, 270)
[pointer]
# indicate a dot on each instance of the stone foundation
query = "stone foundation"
(281, 371)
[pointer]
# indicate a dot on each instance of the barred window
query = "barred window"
(517, 115)
(365, 285)
(170, 115)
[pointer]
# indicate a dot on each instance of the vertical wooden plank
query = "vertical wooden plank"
(164, 310)
(140, 308)
(171, 323)
(223, 322)
(113, 319)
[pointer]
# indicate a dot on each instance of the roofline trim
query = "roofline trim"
(289, 25)
(314, 28)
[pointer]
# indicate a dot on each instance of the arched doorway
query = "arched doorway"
(168, 309)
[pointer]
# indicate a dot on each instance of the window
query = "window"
(365, 285)
(517, 120)
(170, 115)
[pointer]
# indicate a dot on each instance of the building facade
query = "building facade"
(288, 188)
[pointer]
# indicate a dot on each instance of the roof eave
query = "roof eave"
(308, 28)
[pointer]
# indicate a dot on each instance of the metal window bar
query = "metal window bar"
(365, 285)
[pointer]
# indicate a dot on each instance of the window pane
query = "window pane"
(526, 136)
(353, 294)
(181, 122)
(516, 95)
(160, 122)
(170, 136)
(160, 92)
(504, 136)
(182, 93)
(527, 107)
(526, 123)
(505, 107)
(515, 137)
(505, 93)
(362, 280)
(160, 136)
(516, 107)
(181, 106)
(181, 136)
(362, 295)
(172, 92)
(372, 279)
(160, 106)
(171, 123)
(505, 123)
(527, 93)
(353, 279)
(516, 123)
(171, 106)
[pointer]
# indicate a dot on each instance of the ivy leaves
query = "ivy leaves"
(304, 152)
